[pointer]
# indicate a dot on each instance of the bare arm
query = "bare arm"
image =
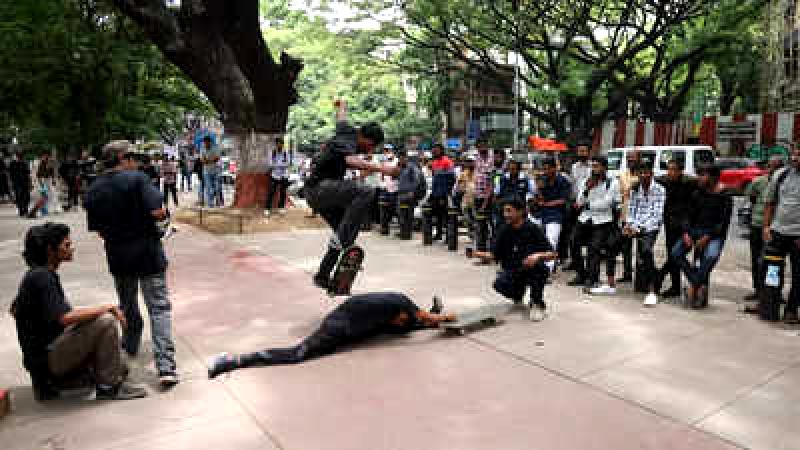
(355, 162)
(80, 315)
(769, 213)
(433, 320)
(536, 258)
(159, 214)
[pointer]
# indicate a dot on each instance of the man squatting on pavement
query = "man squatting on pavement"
(343, 204)
(355, 320)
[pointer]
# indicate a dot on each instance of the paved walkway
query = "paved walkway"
(600, 373)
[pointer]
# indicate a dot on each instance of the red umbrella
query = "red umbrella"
(546, 145)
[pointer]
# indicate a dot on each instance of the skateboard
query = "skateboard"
(346, 270)
(486, 315)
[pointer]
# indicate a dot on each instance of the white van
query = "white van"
(691, 156)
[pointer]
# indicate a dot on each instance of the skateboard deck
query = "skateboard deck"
(346, 271)
(486, 315)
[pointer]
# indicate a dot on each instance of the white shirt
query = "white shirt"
(389, 183)
(581, 171)
(646, 208)
(601, 201)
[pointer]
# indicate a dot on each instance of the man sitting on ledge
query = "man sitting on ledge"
(57, 340)
(357, 319)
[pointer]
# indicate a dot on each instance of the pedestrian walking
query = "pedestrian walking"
(279, 177)
(20, 173)
(169, 171)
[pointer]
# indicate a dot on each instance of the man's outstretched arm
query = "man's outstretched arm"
(355, 162)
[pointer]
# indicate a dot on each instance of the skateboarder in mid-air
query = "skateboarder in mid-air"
(358, 318)
(343, 204)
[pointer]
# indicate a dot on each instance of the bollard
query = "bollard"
(427, 224)
(482, 231)
(385, 215)
(406, 220)
(771, 292)
(452, 229)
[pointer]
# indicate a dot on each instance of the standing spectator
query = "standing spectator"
(134, 252)
(643, 222)
(151, 171)
(782, 226)
(390, 183)
(580, 172)
(442, 182)
(45, 184)
(679, 189)
(515, 183)
(496, 176)
(169, 170)
(522, 250)
(184, 165)
(5, 190)
(197, 169)
(484, 164)
(57, 339)
(551, 200)
(598, 200)
(704, 232)
(627, 180)
(21, 183)
(757, 192)
(373, 180)
(210, 171)
(88, 166)
(70, 173)
(409, 180)
(464, 191)
(279, 175)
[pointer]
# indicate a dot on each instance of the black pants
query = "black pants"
(672, 236)
(627, 256)
(439, 213)
(344, 205)
(512, 284)
(170, 188)
(73, 192)
(645, 259)
(22, 197)
(325, 340)
(595, 238)
(280, 186)
(756, 256)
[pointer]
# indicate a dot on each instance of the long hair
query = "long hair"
(40, 239)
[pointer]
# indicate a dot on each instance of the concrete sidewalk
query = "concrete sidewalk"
(599, 373)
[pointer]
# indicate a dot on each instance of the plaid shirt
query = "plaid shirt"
(646, 208)
(483, 171)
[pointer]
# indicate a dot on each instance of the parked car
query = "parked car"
(737, 173)
(691, 156)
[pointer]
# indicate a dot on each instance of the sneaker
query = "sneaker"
(222, 363)
(168, 379)
(651, 300)
(267, 213)
(625, 279)
(671, 293)
(577, 282)
(437, 307)
(751, 297)
(282, 211)
(537, 313)
(603, 290)
(122, 391)
(322, 282)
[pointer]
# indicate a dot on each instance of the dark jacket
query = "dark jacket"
(20, 173)
(679, 194)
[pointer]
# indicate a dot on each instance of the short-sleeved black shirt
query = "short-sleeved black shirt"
(38, 308)
(512, 245)
(330, 164)
(366, 315)
(118, 207)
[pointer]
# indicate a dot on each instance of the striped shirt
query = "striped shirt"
(483, 172)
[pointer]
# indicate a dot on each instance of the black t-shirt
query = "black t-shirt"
(714, 216)
(366, 315)
(118, 207)
(330, 164)
(37, 309)
(20, 172)
(512, 245)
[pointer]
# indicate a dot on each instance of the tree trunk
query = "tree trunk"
(253, 152)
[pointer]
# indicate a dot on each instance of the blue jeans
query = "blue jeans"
(156, 299)
(698, 274)
(211, 183)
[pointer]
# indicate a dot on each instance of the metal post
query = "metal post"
(384, 213)
(406, 216)
(427, 224)
(452, 229)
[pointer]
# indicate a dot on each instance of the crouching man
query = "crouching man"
(357, 319)
(522, 249)
(57, 340)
